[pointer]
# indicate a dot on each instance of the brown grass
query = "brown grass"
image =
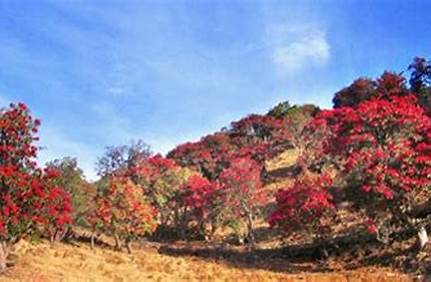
(64, 262)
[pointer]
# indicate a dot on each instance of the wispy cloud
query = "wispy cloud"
(296, 49)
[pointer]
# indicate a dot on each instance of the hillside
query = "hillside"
(197, 260)
(296, 194)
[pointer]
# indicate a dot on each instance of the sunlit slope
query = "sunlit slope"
(63, 262)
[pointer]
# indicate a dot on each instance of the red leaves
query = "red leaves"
(122, 209)
(27, 194)
(381, 148)
(382, 144)
(198, 192)
(303, 204)
(386, 87)
(257, 136)
(242, 187)
(371, 226)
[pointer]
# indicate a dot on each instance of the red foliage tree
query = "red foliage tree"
(123, 211)
(304, 207)
(54, 204)
(205, 156)
(243, 196)
(388, 85)
(29, 201)
(382, 149)
(201, 202)
(160, 179)
(259, 136)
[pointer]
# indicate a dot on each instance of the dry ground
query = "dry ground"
(65, 262)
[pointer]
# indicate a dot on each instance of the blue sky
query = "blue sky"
(102, 73)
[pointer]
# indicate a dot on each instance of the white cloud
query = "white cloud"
(294, 49)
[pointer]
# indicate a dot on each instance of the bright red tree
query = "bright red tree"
(387, 86)
(382, 149)
(243, 196)
(304, 207)
(201, 202)
(29, 200)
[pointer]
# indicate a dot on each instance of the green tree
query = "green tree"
(71, 178)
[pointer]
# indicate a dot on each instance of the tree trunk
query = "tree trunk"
(117, 243)
(129, 246)
(93, 235)
(423, 237)
(3, 256)
(250, 230)
(183, 224)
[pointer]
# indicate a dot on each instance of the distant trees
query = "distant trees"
(116, 158)
(372, 151)
(420, 77)
(420, 81)
(205, 156)
(259, 136)
(295, 120)
(360, 90)
(280, 110)
(387, 86)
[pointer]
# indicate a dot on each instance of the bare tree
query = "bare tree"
(123, 156)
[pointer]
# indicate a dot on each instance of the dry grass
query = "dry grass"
(285, 159)
(63, 262)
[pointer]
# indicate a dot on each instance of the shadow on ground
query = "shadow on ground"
(290, 259)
